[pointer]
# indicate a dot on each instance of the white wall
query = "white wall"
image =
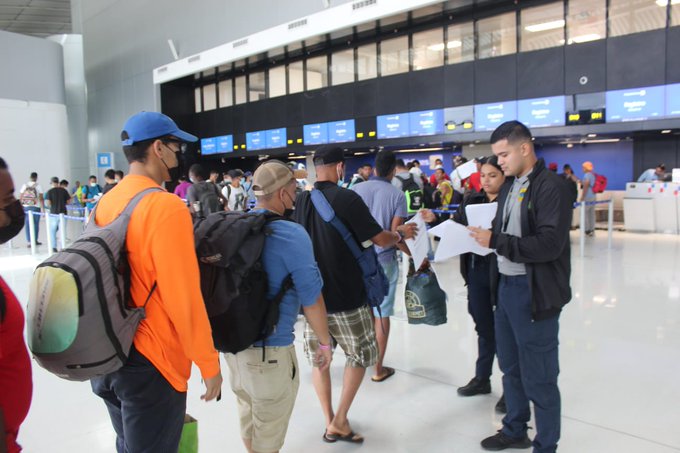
(34, 137)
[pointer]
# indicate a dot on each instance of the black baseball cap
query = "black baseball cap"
(329, 154)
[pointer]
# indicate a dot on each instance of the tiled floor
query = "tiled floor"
(620, 361)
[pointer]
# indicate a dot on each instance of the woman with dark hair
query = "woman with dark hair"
(16, 386)
(475, 270)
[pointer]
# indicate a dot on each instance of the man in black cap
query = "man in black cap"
(350, 323)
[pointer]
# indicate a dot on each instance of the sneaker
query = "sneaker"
(475, 387)
(500, 406)
(54, 250)
(500, 441)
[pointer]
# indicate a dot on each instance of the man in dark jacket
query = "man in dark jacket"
(531, 282)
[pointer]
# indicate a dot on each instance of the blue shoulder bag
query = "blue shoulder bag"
(375, 281)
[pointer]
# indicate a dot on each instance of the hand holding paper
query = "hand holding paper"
(420, 244)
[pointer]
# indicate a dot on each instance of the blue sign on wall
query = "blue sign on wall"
(636, 104)
(225, 144)
(489, 116)
(256, 140)
(315, 134)
(208, 146)
(276, 138)
(427, 122)
(673, 99)
(104, 160)
(393, 126)
(542, 112)
(341, 131)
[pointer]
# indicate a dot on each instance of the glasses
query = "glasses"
(181, 146)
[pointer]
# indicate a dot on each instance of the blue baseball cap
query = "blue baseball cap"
(148, 125)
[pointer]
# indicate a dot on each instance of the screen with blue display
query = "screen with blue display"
(673, 99)
(489, 116)
(225, 144)
(542, 112)
(276, 138)
(636, 104)
(393, 126)
(208, 146)
(315, 134)
(255, 140)
(341, 131)
(426, 122)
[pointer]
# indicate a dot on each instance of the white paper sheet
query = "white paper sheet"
(420, 245)
(465, 170)
(455, 240)
(481, 215)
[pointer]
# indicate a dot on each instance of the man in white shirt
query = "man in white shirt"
(234, 193)
(31, 197)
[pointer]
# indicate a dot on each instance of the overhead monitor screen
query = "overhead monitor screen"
(542, 112)
(208, 146)
(673, 99)
(636, 104)
(225, 144)
(341, 131)
(255, 140)
(393, 126)
(426, 122)
(489, 116)
(315, 134)
(458, 119)
(276, 138)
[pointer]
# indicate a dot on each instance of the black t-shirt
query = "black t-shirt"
(343, 287)
(109, 186)
(58, 198)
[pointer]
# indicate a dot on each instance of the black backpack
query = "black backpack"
(207, 194)
(233, 280)
(415, 199)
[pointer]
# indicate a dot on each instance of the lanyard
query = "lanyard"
(511, 202)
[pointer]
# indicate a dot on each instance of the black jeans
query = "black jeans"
(146, 411)
(481, 310)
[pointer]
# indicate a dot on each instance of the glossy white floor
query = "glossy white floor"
(620, 361)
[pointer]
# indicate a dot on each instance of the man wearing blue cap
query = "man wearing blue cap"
(146, 398)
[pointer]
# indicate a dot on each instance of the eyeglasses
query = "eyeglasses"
(181, 146)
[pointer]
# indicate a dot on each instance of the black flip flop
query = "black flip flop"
(352, 437)
(384, 377)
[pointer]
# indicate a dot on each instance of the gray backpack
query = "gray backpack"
(80, 322)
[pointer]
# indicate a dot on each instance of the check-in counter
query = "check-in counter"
(652, 207)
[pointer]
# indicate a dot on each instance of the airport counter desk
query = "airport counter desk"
(652, 207)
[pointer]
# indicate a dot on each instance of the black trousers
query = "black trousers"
(147, 413)
(481, 310)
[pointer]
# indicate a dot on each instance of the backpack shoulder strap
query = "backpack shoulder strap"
(403, 180)
(127, 212)
(325, 210)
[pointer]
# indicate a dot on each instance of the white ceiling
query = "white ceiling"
(40, 18)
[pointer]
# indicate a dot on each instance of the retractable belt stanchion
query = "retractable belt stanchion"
(62, 230)
(610, 222)
(31, 231)
(582, 227)
(48, 224)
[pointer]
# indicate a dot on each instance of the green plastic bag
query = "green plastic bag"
(425, 300)
(188, 443)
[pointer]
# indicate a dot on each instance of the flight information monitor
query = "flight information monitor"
(315, 134)
(225, 144)
(489, 116)
(673, 99)
(276, 138)
(341, 131)
(208, 146)
(542, 112)
(393, 126)
(426, 122)
(636, 104)
(256, 140)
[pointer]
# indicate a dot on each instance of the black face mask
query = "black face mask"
(174, 171)
(288, 212)
(16, 214)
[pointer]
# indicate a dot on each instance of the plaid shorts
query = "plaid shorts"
(354, 332)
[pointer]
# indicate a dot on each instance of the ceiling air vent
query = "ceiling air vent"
(194, 59)
(297, 24)
(363, 4)
(240, 43)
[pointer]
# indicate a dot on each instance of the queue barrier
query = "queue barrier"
(610, 221)
(63, 225)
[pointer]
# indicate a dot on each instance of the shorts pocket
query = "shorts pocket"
(266, 380)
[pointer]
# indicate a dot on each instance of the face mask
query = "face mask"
(93, 184)
(193, 181)
(288, 212)
(341, 177)
(16, 215)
